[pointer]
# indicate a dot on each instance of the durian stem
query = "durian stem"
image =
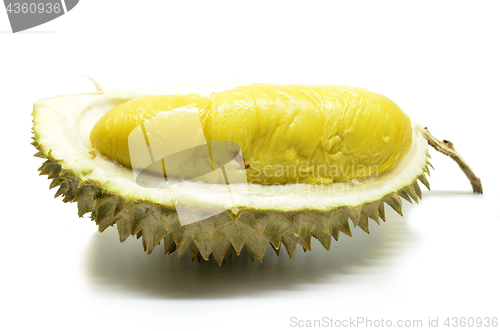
(446, 147)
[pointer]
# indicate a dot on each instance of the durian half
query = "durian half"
(368, 129)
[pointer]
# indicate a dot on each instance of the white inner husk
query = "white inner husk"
(62, 125)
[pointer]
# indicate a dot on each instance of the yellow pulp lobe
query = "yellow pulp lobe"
(110, 134)
(287, 133)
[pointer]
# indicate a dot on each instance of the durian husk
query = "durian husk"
(222, 234)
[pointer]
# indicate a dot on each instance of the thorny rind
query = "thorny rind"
(221, 234)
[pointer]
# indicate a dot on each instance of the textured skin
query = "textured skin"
(224, 233)
(305, 134)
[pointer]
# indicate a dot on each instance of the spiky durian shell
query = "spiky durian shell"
(221, 234)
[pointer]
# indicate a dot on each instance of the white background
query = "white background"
(438, 60)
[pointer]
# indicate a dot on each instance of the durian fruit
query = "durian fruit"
(290, 137)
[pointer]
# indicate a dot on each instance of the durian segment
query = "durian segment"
(223, 234)
(267, 215)
(287, 133)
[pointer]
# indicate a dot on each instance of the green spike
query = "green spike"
(424, 181)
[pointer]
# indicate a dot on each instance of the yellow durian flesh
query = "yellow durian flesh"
(110, 134)
(287, 133)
